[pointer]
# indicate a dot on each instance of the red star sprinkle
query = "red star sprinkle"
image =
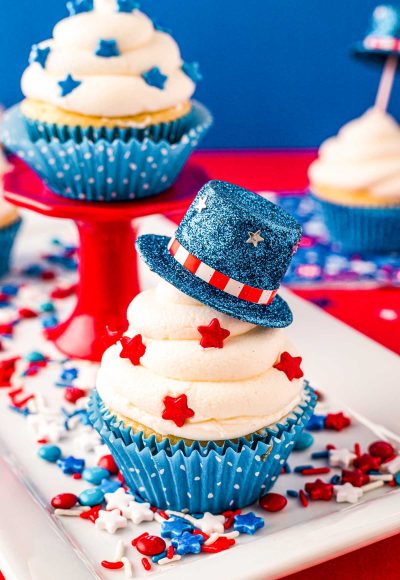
(319, 490)
(91, 514)
(177, 410)
(218, 546)
(213, 335)
(7, 369)
(367, 462)
(290, 365)
(336, 421)
(133, 348)
(355, 477)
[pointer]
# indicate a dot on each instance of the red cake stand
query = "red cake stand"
(107, 257)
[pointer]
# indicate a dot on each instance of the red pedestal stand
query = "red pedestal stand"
(108, 259)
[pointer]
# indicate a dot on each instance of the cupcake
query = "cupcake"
(204, 397)
(10, 222)
(108, 110)
(356, 179)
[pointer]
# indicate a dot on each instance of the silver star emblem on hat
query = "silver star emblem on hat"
(255, 238)
(201, 204)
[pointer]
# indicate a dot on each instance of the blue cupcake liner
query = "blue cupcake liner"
(212, 478)
(172, 131)
(103, 171)
(368, 230)
(7, 238)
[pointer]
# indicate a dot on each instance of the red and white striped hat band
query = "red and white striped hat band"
(382, 43)
(217, 279)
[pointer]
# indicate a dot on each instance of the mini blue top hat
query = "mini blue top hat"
(383, 38)
(230, 252)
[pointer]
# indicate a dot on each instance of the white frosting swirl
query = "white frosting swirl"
(233, 391)
(365, 155)
(110, 87)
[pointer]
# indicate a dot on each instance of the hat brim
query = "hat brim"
(154, 251)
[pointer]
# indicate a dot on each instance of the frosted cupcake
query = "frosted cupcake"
(109, 91)
(356, 178)
(203, 399)
(9, 222)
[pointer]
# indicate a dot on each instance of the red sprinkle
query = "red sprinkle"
(91, 514)
(163, 515)
(23, 402)
(120, 477)
(367, 462)
(330, 447)
(112, 565)
(357, 449)
(273, 502)
(47, 275)
(356, 477)
(170, 553)
(42, 441)
(146, 564)
(64, 292)
(64, 501)
(26, 313)
(77, 476)
(381, 449)
(336, 421)
(316, 471)
(319, 490)
(73, 394)
(303, 498)
(218, 546)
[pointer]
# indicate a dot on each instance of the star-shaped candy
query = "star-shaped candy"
(174, 528)
(44, 429)
(177, 410)
(201, 204)
(187, 543)
(107, 48)
(139, 512)
(87, 440)
(367, 462)
(213, 335)
(356, 477)
(255, 238)
(71, 465)
(223, 543)
(39, 55)
(118, 500)
(155, 78)
(290, 365)
(192, 70)
(210, 524)
(68, 85)
(342, 458)
(110, 521)
(337, 421)
(347, 493)
(127, 5)
(316, 423)
(248, 523)
(319, 490)
(79, 6)
(133, 348)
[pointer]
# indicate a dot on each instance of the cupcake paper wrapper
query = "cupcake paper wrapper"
(7, 237)
(212, 478)
(172, 131)
(103, 171)
(369, 230)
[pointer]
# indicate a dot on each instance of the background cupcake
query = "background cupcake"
(201, 402)
(356, 178)
(108, 91)
(10, 222)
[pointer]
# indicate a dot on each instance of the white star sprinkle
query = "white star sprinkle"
(347, 493)
(201, 204)
(139, 512)
(110, 521)
(87, 440)
(255, 238)
(43, 429)
(119, 500)
(210, 524)
(342, 458)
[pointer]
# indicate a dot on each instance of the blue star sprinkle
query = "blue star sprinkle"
(248, 523)
(67, 377)
(187, 543)
(316, 423)
(127, 5)
(79, 6)
(174, 528)
(39, 55)
(107, 48)
(155, 78)
(71, 465)
(68, 85)
(192, 70)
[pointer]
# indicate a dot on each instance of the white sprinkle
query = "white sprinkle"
(383, 477)
(373, 485)
(72, 512)
(119, 551)
(165, 561)
(128, 568)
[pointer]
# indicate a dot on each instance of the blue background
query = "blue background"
(277, 73)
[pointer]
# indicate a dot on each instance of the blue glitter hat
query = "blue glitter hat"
(383, 38)
(230, 252)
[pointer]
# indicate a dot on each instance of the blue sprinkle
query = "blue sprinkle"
(320, 455)
(25, 411)
(397, 478)
(35, 356)
(47, 307)
(50, 453)
(10, 289)
(335, 480)
(187, 543)
(304, 441)
(287, 468)
(35, 270)
(156, 559)
(175, 527)
(248, 523)
(49, 321)
(68, 85)
(292, 493)
(107, 48)
(301, 468)
(91, 497)
(109, 485)
(95, 475)
(316, 423)
(71, 465)
(155, 78)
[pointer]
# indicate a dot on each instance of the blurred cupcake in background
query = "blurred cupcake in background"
(108, 109)
(10, 222)
(356, 179)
